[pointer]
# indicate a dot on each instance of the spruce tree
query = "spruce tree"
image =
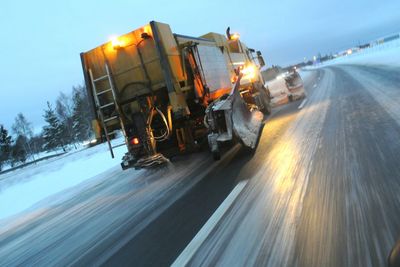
(5, 146)
(53, 131)
(81, 118)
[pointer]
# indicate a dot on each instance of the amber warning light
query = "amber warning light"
(135, 141)
(235, 36)
(116, 42)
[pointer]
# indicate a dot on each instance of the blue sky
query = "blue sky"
(41, 40)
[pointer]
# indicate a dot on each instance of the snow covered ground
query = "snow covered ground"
(31, 159)
(384, 54)
(45, 155)
(22, 188)
(100, 215)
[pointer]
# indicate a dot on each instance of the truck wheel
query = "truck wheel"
(213, 144)
(124, 167)
(216, 155)
(267, 109)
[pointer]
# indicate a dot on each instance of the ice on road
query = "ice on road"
(270, 205)
(112, 208)
(327, 193)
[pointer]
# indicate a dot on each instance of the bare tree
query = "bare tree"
(18, 153)
(64, 110)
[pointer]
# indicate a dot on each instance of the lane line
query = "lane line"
(302, 104)
(101, 260)
(205, 231)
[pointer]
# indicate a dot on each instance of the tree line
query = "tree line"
(67, 123)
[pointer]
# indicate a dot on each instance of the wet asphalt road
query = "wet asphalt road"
(323, 190)
(328, 194)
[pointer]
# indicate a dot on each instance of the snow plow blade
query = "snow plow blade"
(247, 124)
(231, 117)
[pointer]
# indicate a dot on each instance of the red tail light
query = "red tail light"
(135, 141)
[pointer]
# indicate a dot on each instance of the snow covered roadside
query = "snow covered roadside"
(22, 188)
(44, 155)
(385, 54)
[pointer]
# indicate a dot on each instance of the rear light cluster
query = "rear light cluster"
(135, 141)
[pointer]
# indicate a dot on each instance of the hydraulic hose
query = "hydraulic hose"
(167, 133)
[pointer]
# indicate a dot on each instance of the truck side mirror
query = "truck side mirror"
(260, 59)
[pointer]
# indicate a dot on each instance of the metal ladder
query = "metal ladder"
(100, 107)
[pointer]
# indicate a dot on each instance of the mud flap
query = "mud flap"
(239, 121)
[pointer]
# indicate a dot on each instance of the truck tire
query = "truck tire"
(216, 155)
(267, 109)
(214, 147)
(124, 167)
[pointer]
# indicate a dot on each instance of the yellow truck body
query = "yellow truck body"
(151, 68)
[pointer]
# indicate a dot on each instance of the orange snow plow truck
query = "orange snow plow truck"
(169, 93)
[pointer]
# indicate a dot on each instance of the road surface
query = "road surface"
(322, 189)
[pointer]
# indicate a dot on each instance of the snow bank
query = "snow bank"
(384, 54)
(22, 188)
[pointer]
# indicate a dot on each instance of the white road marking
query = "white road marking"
(302, 104)
(205, 231)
